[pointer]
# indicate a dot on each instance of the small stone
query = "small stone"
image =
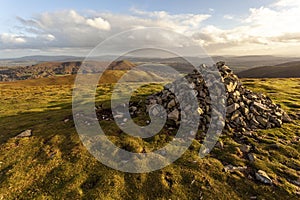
(261, 106)
(286, 118)
(245, 148)
(231, 86)
(263, 177)
(235, 115)
(171, 104)
(133, 108)
(66, 120)
(174, 115)
(262, 121)
(245, 111)
(231, 168)
(219, 145)
(233, 107)
(26, 133)
(200, 111)
(251, 157)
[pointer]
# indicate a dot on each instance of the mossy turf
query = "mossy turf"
(53, 163)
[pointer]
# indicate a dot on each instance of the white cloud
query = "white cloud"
(179, 22)
(98, 23)
(228, 17)
(266, 29)
(7, 38)
(69, 28)
(286, 3)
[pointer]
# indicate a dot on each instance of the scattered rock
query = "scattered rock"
(263, 177)
(245, 148)
(263, 121)
(251, 157)
(172, 103)
(219, 145)
(174, 115)
(26, 133)
(286, 118)
(231, 168)
(232, 108)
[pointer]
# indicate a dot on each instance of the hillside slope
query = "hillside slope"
(49, 69)
(53, 163)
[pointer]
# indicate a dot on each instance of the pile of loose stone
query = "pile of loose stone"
(245, 109)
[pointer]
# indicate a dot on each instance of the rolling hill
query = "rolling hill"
(49, 69)
(285, 70)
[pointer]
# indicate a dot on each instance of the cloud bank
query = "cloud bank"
(265, 30)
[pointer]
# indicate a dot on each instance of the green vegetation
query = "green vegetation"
(53, 164)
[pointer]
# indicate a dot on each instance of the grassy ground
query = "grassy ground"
(53, 164)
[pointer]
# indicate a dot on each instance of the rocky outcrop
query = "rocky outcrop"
(246, 110)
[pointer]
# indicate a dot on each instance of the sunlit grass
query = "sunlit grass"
(53, 164)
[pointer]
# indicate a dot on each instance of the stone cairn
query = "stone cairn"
(245, 109)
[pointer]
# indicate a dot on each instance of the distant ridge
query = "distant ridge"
(285, 70)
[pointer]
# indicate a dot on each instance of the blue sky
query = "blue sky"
(13, 8)
(222, 27)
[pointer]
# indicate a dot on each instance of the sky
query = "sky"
(232, 27)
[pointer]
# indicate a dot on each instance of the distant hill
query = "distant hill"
(237, 63)
(285, 70)
(121, 65)
(50, 69)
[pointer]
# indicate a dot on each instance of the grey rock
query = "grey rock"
(232, 108)
(231, 168)
(235, 115)
(262, 121)
(286, 118)
(26, 133)
(245, 148)
(263, 177)
(174, 115)
(172, 103)
(251, 157)
(261, 106)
